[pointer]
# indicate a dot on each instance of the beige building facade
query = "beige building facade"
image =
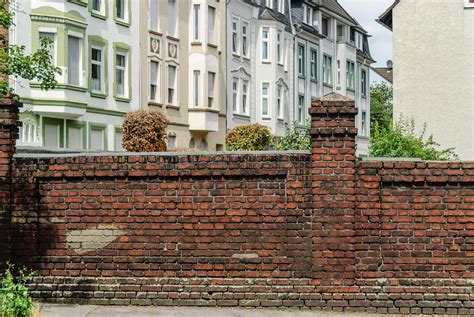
(183, 69)
(434, 68)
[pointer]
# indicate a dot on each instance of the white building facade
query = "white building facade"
(95, 45)
(259, 55)
(433, 69)
(298, 51)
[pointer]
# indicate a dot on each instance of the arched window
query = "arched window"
(192, 145)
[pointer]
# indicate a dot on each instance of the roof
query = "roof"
(384, 72)
(385, 18)
(335, 7)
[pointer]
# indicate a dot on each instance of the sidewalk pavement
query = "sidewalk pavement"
(126, 311)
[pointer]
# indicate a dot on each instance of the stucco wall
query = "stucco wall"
(434, 69)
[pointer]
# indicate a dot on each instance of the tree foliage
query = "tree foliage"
(401, 140)
(251, 137)
(15, 63)
(296, 138)
(381, 106)
(144, 131)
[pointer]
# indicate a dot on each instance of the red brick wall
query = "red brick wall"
(317, 230)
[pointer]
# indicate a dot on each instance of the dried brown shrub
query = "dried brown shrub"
(144, 131)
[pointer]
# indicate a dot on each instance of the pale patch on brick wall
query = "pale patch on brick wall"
(83, 241)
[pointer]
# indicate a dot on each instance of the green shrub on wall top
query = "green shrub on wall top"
(251, 137)
(297, 137)
(144, 131)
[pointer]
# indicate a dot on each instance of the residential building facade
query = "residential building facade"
(183, 69)
(433, 69)
(331, 55)
(298, 51)
(95, 45)
(259, 59)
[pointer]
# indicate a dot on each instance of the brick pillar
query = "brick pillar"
(9, 123)
(333, 135)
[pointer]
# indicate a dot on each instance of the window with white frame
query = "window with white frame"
(235, 93)
(153, 17)
(97, 5)
(338, 73)
(97, 139)
(196, 24)
(327, 70)
(154, 80)
(74, 60)
(281, 6)
(265, 102)
(279, 47)
(364, 123)
(235, 36)
(314, 64)
(29, 133)
(308, 15)
(121, 71)
(171, 140)
(279, 101)
(211, 21)
(51, 38)
(97, 69)
(326, 26)
(363, 83)
(245, 87)
(197, 80)
(301, 60)
(172, 17)
(245, 28)
(265, 35)
(120, 9)
(350, 75)
(171, 85)
(300, 114)
(211, 78)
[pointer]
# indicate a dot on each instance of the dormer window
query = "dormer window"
(281, 6)
(326, 27)
(268, 3)
(308, 15)
(341, 33)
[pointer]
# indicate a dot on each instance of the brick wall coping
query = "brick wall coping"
(162, 154)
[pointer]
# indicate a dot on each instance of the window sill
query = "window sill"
(170, 106)
(301, 76)
(98, 15)
(212, 45)
(314, 80)
(99, 95)
(122, 22)
(155, 104)
(62, 86)
(79, 2)
(173, 38)
(196, 43)
(241, 116)
(280, 64)
(364, 96)
(123, 99)
(328, 85)
(281, 120)
(236, 55)
(246, 58)
(351, 90)
(155, 32)
(267, 118)
(266, 62)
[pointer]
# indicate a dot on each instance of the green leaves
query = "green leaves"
(401, 140)
(14, 298)
(15, 63)
(296, 138)
(37, 66)
(381, 106)
(251, 137)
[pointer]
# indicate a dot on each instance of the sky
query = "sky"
(365, 12)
